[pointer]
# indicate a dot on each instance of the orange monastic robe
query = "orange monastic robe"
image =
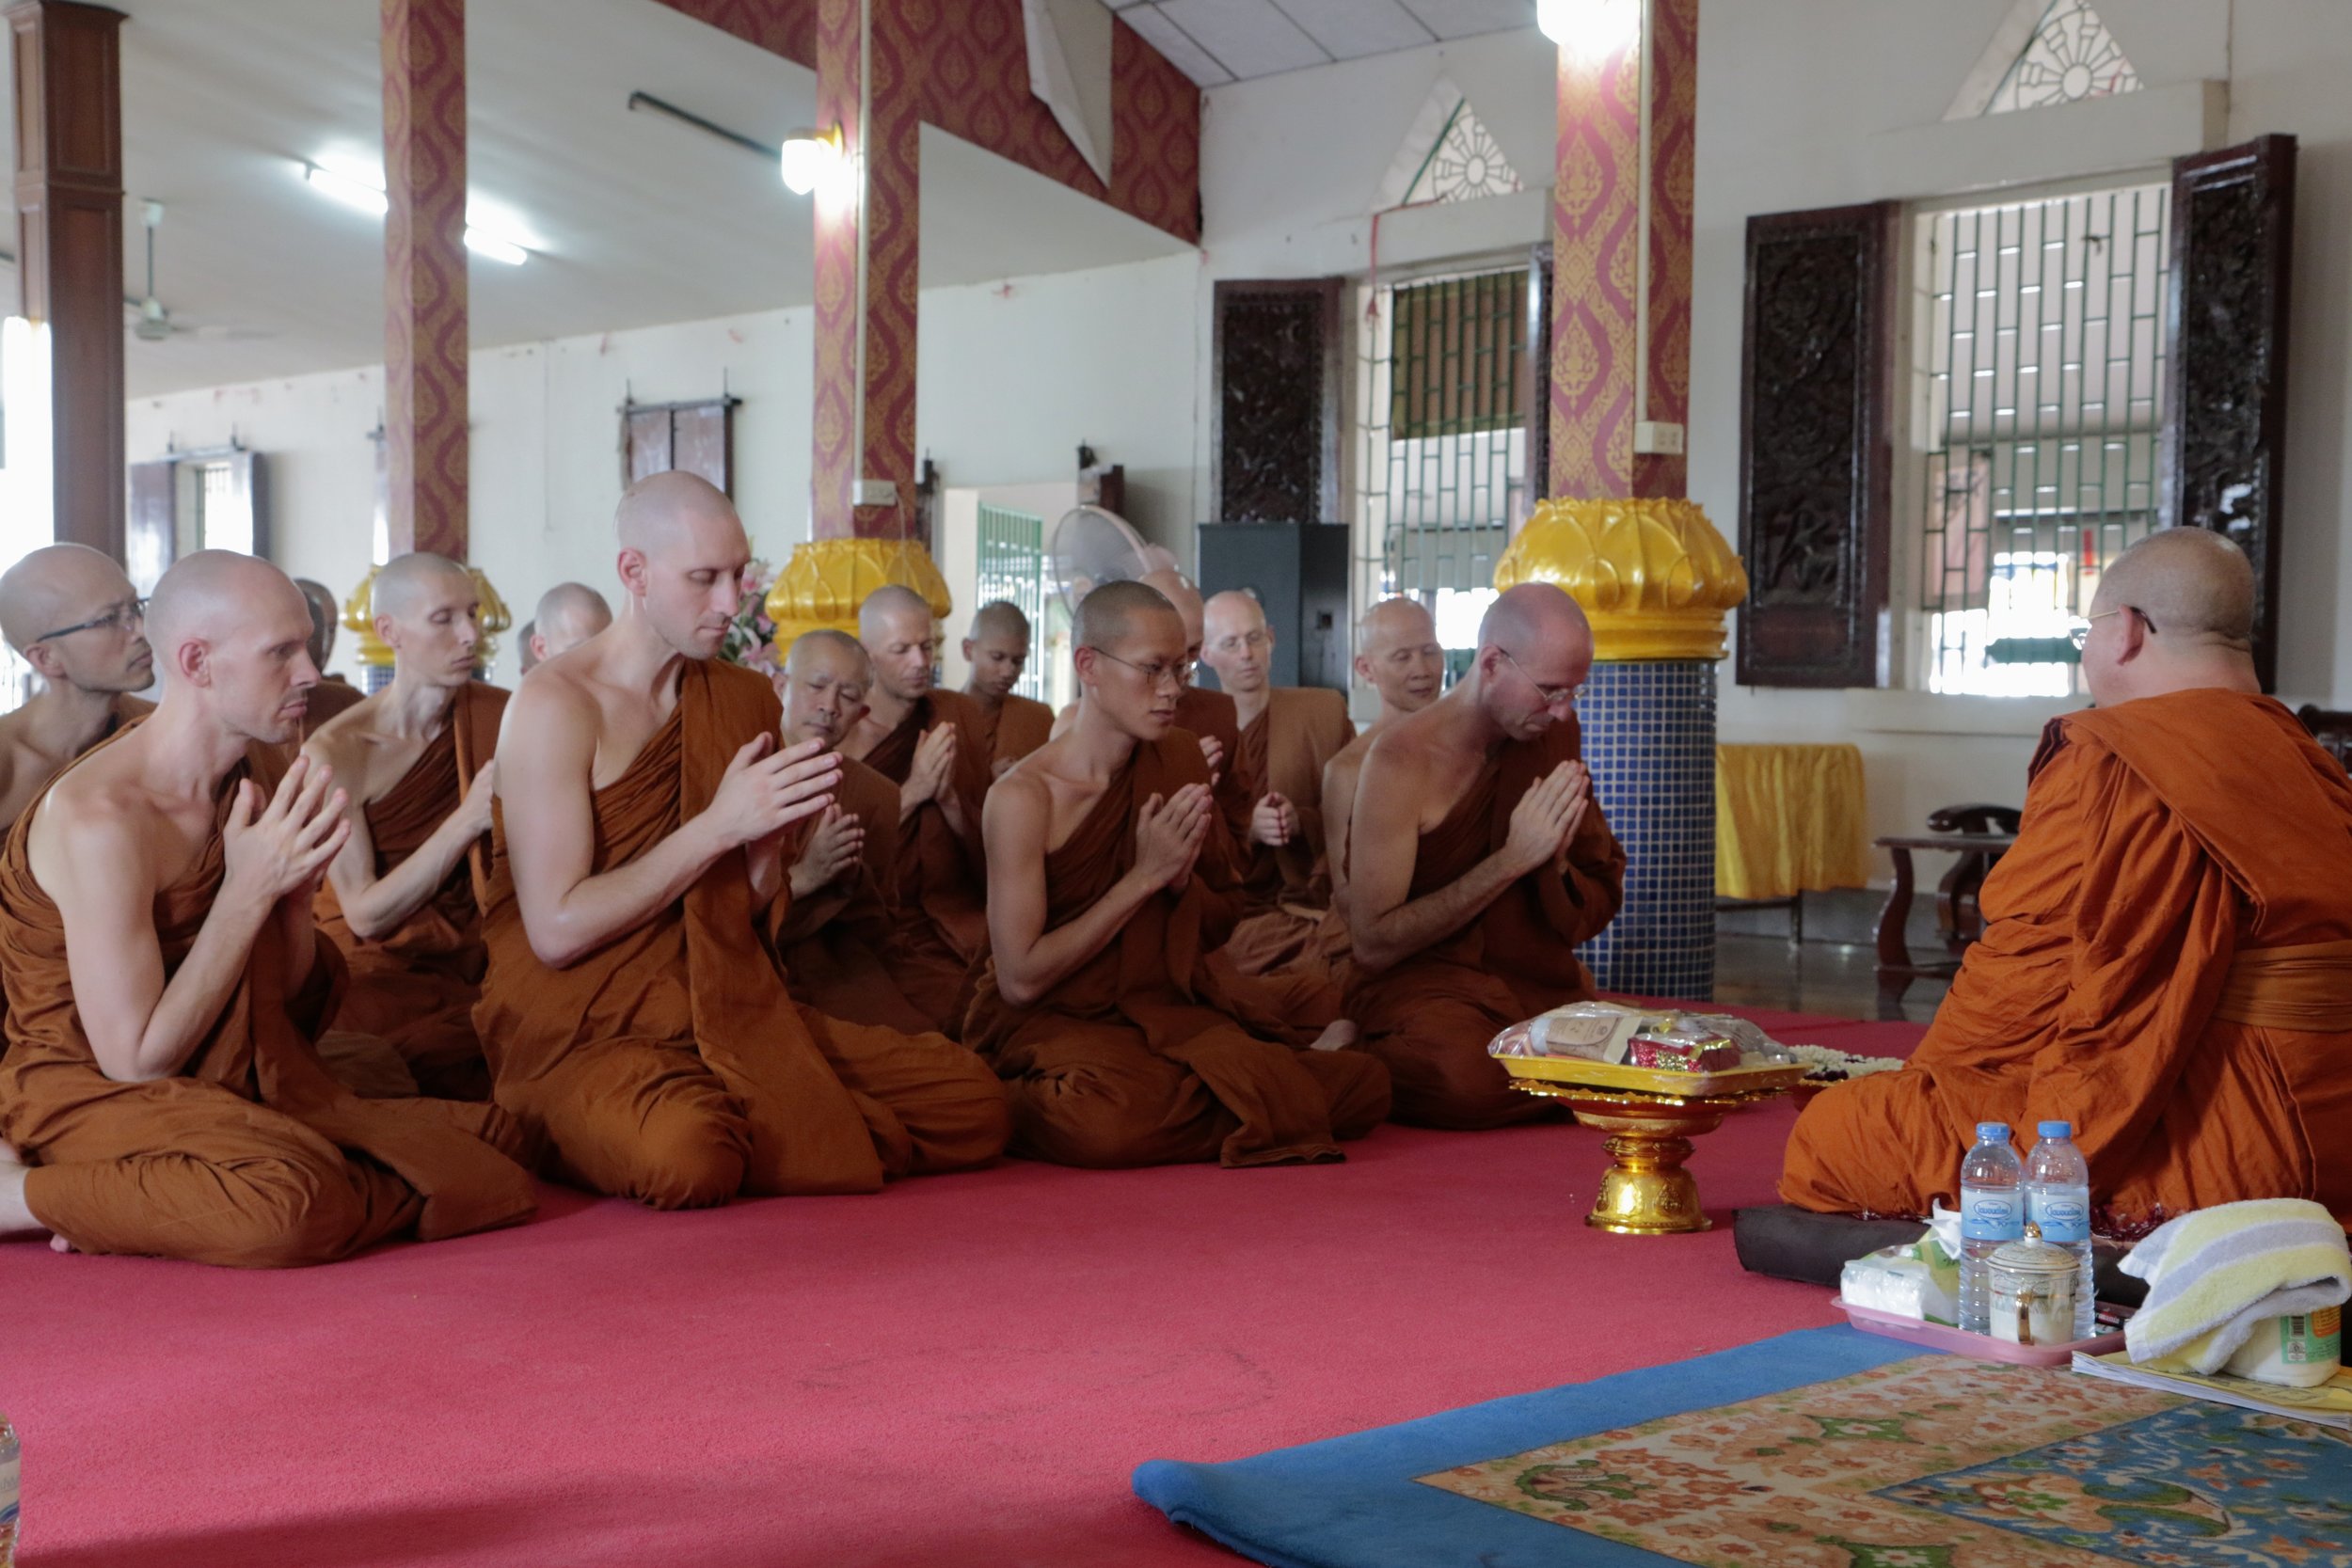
(837, 943)
(2167, 963)
(1430, 1018)
(943, 880)
(1135, 1058)
(250, 1155)
(415, 989)
(1289, 889)
(670, 1066)
(1211, 714)
(1013, 729)
(330, 696)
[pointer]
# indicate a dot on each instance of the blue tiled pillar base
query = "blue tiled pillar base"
(1649, 739)
(375, 677)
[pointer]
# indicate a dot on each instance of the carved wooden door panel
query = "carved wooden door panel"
(1279, 357)
(2225, 429)
(1816, 447)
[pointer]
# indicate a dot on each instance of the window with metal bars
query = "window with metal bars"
(1440, 446)
(1011, 566)
(2043, 356)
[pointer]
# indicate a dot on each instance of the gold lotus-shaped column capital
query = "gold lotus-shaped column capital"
(826, 579)
(1651, 573)
(359, 619)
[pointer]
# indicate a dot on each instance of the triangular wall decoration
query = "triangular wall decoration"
(2045, 51)
(1447, 155)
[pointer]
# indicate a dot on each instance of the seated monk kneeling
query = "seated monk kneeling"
(402, 897)
(1477, 859)
(634, 1010)
(2167, 960)
(165, 980)
(1108, 881)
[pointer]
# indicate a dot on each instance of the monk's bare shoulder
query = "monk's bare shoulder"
(347, 741)
(551, 724)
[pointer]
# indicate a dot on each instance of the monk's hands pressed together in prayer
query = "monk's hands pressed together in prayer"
(766, 790)
(276, 853)
(1168, 835)
(1212, 753)
(832, 851)
(1274, 821)
(1546, 818)
(935, 764)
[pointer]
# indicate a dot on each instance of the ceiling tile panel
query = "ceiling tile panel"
(1348, 29)
(1249, 38)
(1175, 45)
(1461, 19)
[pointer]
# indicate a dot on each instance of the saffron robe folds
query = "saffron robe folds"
(1430, 1017)
(671, 1066)
(250, 1155)
(1283, 751)
(1013, 729)
(415, 986)
(1136, 1057)
(837, 943)
(943, 880)
(2167, 963)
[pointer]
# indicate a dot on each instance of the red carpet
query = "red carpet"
(962, 1371)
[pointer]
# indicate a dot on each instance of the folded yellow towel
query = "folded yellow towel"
(2213, 1274)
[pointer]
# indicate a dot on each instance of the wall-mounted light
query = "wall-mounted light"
(355, 191)
(808, 157)
(1590, 28)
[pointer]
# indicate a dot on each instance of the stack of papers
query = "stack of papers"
(2328, 1404)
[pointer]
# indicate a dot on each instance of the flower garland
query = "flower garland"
(750, 640)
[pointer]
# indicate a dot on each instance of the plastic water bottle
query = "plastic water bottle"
(8, 1493)
(2058, 1199)
(1992, 1211)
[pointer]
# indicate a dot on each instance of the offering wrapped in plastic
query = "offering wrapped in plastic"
(1662, 1050)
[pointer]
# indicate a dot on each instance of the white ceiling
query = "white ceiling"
(636, 219)
(1215, 41)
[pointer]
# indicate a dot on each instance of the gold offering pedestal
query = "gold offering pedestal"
(1646, 1191)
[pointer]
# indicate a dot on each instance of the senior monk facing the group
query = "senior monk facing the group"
(402, 898)
(1287, 734)
(633, 1010)
(998, 651)
(1399, 657)
(1477, 860)
(2167, 959)
(932, 745)
(1108, 881)
(165, 978)
(74, 617)
(837, 933)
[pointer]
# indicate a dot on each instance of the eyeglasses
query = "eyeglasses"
(1254, 641)
(2079, 634)
(1152, 674)
(122, 617)
(1553, 695)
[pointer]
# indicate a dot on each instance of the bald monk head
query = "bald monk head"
(1237, 643)
(997, 650)
(233, 641)
(683, 551)
(325, 618)
(1178, 590)
(72, 615)
(1535, 649)
(824, 687)
(2175, 613)
(1398, 654)
(428, 611)
(569, 614)
(901, 638)
(1128, 642)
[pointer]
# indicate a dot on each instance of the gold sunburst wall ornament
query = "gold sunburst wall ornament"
(1652, 573)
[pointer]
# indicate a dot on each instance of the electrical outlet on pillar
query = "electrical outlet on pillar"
(1657, 438)
(874, 492)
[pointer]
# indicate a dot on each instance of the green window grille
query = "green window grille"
(1012, 567)
(2045, 363)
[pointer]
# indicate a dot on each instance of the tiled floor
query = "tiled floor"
(1835, 970)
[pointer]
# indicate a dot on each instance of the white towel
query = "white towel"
(2215, 1273)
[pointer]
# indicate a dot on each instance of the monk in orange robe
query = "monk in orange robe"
(930, 744)
(156, 942)
(402, 898)
(1399, 657)
(74, 617)
(838, 931)
(1477, 860)
(634, 1010)
(333, 694)
(998, 653)
(568, 614)
(1287, 734)
(2166, 961)
(1109, 881)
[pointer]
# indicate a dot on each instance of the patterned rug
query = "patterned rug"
(1906, 1461)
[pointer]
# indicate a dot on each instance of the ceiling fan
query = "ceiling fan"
(150, 317)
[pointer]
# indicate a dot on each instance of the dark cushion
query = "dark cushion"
(1787, 1243)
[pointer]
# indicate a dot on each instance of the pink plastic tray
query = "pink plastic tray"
(1983, 1347)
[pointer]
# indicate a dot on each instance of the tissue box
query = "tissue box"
(1899, 1280)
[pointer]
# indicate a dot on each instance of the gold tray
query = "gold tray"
(1763, 1077)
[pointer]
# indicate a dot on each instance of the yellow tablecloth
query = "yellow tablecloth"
(1788, 818)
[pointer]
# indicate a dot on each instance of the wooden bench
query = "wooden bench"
(1978, 835)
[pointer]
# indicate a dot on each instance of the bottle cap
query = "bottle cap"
(1992, 1131)
(2055, 1129)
